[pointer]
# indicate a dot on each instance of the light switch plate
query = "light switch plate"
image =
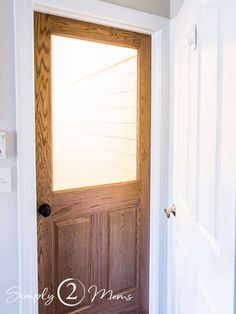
(5, 180)
(2, 145)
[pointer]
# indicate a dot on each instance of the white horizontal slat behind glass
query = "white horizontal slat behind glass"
(94, 105)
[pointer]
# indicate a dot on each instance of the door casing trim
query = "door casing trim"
(107, 14)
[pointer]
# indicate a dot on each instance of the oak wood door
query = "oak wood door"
(96, 235)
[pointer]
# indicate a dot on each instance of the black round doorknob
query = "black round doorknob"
(45, 210)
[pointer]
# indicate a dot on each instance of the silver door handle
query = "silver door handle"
(170, 210)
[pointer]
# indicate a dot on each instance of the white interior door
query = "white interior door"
(204, 158)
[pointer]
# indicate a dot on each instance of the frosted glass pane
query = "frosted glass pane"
(94, 110)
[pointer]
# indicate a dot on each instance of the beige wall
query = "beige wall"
(159, 7)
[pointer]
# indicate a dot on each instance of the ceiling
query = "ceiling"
(158, 7)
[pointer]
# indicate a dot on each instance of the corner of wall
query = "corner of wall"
(175, 6)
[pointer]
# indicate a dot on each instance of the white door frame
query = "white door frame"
(107, 14)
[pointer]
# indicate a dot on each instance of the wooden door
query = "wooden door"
(204, 158)
(93, 232)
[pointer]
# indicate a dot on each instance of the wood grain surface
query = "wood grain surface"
(99, 235)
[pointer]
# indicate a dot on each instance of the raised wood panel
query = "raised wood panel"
(72, 251)
(123, 250)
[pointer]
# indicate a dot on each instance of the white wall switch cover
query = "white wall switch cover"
(5, 180)
(2, 145)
